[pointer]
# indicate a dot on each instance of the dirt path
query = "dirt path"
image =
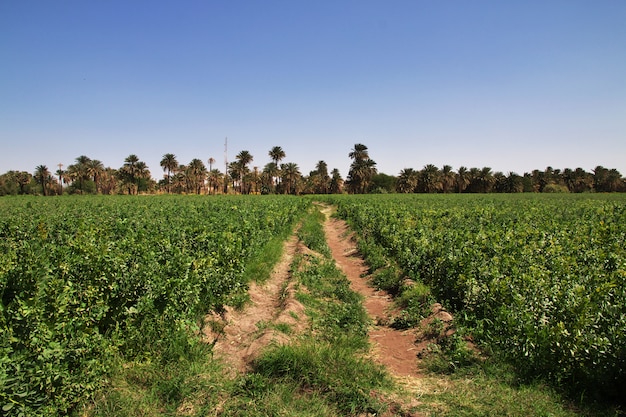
(239, 335)
(394, 349)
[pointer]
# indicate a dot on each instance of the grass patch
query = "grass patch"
(332, 370)
(260, 267)
(187, 386)
(311, 232)
(481, 394)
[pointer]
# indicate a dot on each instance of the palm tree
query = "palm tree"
(108, 181)
(362, 169)
(407, 181)
(43, 177)
(143, 175)
(271, 171)
(320, 179)
(214, 178)
(196, 174)
(291, 176)
(447, 178)
(130, 172)
(614, 180)
(359, 153)
(169, 164)
(486, 180)
(60, 173)
(235, 171)
(473, 186)
(462, 179)
(94, 170)
(255, 179)
(429, 179)
(336, 182)
(79, 171)
(179, 180)
(578, 181)
(500, 184)
(607, 180)
(277, 154)
(244, 158)
(515, 183)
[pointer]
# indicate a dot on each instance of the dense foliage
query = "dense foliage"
(540, 280)
(86, 280)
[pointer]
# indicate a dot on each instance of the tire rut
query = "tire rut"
(394, 349)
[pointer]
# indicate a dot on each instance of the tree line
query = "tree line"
(90, 176)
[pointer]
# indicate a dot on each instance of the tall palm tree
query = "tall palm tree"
(359, 152)
(486, 180)
(244, 158)
(43, 177)
(60, 173)
(196, 173)
(462, 179)
(448, 178)
(95, 169)
(235, 172)
(271, 171)
(179, 180)
(277, 154)
(169, 164)
(80, 171)
(291, 177)
(255, 179)
(336, 182)
(362, 169)
(130, 173)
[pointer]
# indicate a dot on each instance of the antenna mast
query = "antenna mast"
(226, 165)
(226, 154)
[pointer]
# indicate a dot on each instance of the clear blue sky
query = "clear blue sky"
(513, 85)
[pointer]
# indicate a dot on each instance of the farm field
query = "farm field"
(104, 303)
(537, 279)
(86, 280)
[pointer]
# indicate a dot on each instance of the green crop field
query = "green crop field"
(86, 279)
(537, 279)
(92, 282)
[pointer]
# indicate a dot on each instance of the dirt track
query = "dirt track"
(393, 348)
(248, 331)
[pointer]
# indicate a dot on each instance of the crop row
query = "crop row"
(85, 281)
(540, 280)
